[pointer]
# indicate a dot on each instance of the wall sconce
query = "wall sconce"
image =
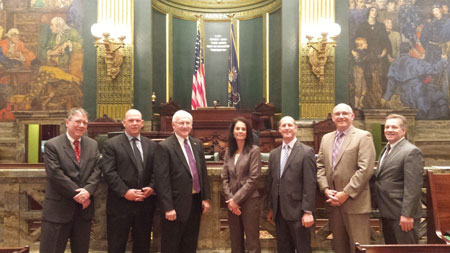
(112, 39)
(320, 47)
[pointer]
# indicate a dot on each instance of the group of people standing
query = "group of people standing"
(140, 172)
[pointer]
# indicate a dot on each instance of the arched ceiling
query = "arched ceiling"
(216, 9)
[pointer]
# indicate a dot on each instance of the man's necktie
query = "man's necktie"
(193, 165)
(140, 166)
(388, 149)
(77, 149)
(284, 158)
(336, 147)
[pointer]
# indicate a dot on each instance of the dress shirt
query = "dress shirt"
(291, 145)
(72, 140)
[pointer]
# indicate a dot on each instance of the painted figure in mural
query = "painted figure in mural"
(434, 35)
(14, 49)
(378, 48)
(359, 64)
(63, 48)
(395, 38)
(409, 20)
(356, 16)
(406, 77)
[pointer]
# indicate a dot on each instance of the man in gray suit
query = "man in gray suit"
(345, 165)
(291, 188)
(398, 184)
(71, 164)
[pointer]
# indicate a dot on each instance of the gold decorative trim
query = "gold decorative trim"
(215, 11)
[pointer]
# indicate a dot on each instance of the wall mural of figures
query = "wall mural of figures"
(41, 55)
(399, 55)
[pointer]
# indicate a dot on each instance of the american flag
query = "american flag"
(198, 80)
(233, 73)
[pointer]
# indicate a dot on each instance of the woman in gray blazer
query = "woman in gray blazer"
(240, 173)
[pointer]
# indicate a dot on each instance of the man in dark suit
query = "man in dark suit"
(345, 165)
(291, 188)
(127, 166)
(71, 163)
(398, 184)
(183, 186)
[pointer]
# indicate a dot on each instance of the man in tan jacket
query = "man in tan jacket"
(345, 164)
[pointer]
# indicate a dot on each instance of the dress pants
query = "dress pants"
(347, 229)
(54, 236)
(393, 234)
(139, 220)
(248, 223)
(181, 237)
(292, 235)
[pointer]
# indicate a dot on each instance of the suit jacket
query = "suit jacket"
(240, 180)
(121, 174)
(65, 175)
(353, 169)
(174, 178)
(398, 182)
(295, 191)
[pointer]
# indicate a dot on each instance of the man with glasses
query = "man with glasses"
(71, 163)
(183, 186)
(127, 166)
(345, 164)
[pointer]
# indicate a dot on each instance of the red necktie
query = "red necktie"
(76, 144)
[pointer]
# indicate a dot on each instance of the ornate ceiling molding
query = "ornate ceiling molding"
(216, 10)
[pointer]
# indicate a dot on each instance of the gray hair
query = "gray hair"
(180, 114)
(76, 110)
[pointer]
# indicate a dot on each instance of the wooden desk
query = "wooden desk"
(438, 212)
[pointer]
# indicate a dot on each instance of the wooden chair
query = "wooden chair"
(25, 249)
(402, 248)
(439, 185)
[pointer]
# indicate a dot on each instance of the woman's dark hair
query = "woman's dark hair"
(232, 145)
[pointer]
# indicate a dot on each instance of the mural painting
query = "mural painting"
(41, 55)
(399, 55)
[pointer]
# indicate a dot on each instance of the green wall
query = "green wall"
(159, 55)
(90, 56)
(289, 58)
(216, 64)
(184, 33)
(275, 59)
(143, 58)
(251, 62)
(342, 54)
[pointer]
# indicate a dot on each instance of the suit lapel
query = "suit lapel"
(195, 150)
(330, 143)
(127, 146)
(145, 148)
(70, 152)
(391, 155)
(380, 165)
(347, 139)
(84, 151)
(180, 153)
(293, 153)
(277, 157)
